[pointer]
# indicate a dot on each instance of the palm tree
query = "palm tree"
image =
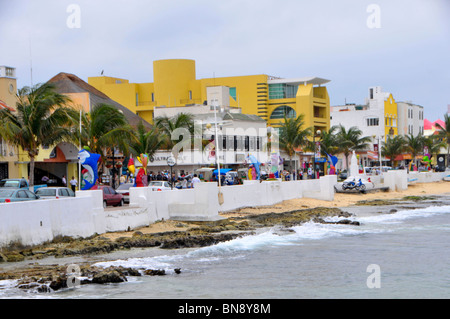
(293, 135)
(41, 119)
(350, 140)
(414, 145)
(169, 126)
(103, 128)
(444, 134)
(145, 141)
(392, 147)
(433, 143)
(328, 141)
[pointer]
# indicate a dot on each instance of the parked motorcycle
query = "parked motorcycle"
(359, 185)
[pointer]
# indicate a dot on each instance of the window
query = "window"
(233, 93)
(282, 91)
(21, 194)
(373, 121)
(224, 142)
(282, 112)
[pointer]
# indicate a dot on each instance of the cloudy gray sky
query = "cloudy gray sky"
(403, 46)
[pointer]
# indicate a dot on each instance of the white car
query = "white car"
(160, 186)
(54, 192)
(124, 189)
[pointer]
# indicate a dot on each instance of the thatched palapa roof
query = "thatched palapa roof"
(70, 83)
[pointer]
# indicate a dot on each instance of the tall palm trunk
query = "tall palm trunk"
(31, 175)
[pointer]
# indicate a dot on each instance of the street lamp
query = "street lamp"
(379, 155)
(314, 155)
(216, 143)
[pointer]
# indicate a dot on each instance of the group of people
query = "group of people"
(180, 180)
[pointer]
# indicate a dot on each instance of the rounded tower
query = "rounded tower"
(172, 78)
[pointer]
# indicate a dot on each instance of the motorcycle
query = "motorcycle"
(354, 185)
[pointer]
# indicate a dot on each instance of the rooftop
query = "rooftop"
(297, 81)
(70, 83)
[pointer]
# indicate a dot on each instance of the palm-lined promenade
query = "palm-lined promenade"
(45, 118)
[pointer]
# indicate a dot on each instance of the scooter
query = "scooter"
(352, 185)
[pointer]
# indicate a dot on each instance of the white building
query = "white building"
(410, 118)
(375, 118)
(379, 117)
(239, 136)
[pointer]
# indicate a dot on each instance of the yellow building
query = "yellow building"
(390, 116)
(175, 84)
(8, 99)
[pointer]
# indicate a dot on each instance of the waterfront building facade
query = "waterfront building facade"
(378, 118)
(8, 99)
(175, 85)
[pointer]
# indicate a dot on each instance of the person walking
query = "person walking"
(73, 184)
(64, 181)
(195, 180)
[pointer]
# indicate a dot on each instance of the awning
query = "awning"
(320, 159)
(402, 157)
(223, 171)
(372, 155)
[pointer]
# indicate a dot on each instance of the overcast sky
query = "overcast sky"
(402, 46)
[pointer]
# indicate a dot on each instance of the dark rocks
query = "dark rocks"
(59, 283)
(292, 218)
(108, 276)
(197, 241)
(155, 272)
(342, 221)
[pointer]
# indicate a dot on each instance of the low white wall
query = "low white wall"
(426, 177)
(36, 222)
(255, 193)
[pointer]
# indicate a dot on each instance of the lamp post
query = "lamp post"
(379, 155)
(216, 143)
(314, 156)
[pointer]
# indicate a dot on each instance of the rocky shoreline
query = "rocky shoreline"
(48, 278)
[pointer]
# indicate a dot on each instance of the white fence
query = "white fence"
(36, 222)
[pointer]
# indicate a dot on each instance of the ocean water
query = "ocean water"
(405, 254)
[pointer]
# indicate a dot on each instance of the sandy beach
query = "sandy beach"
(340, 200)
(344, 200)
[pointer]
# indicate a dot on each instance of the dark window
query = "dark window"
(282, 112)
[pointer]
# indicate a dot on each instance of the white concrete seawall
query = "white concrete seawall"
(36, 222)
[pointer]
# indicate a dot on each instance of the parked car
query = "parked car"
(16, 195)
(110, 196)
(124, 189)
(343, 174)
(54, 192)
(18, 183)
(159, 186)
